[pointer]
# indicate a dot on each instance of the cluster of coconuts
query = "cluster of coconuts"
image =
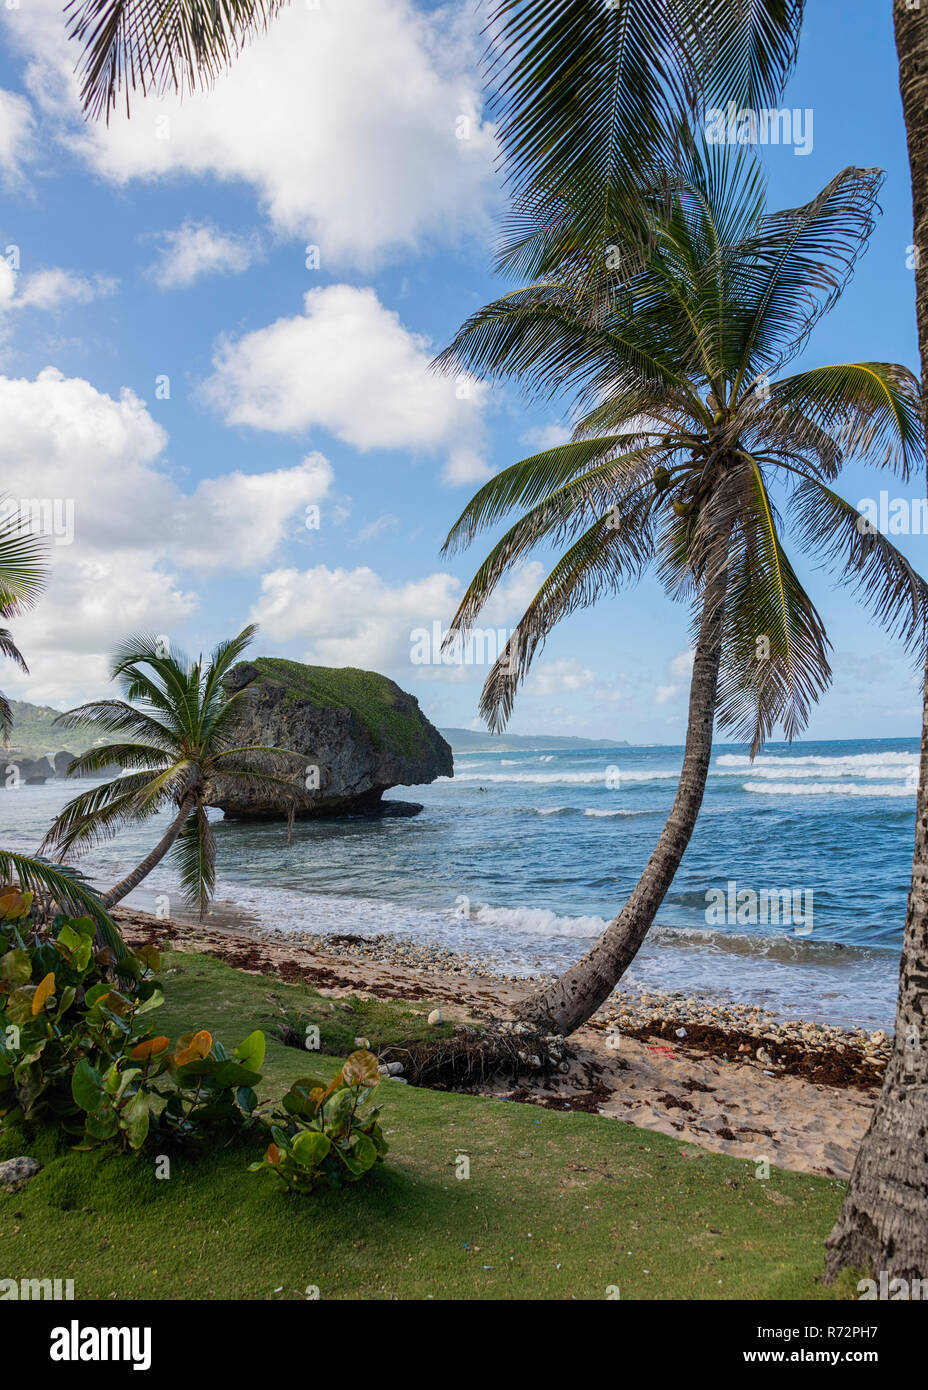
(661, 477)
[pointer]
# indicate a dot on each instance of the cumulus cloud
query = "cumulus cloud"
(93, 469)
(46, 290)
(358, 124)
(541, 437)
(679, 670)
(196, 249)
(53, 289)
(349, 366)
(356, 618)
(560, 676)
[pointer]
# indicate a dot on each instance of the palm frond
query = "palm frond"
(221, 659)
(119, 717)
(551, 338)
(602, 560)
(774, 648)
(798, 265)
(619, 491)
(141, 757)
(99, 813)
(9, 649)
(528, 482)
(158, 46)
(23, 561)
(194, 853)
(868, 408)
(587, 92)
(865, 559)
(67, 887)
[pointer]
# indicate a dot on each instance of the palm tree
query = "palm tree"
(683, 454)
(22, 579)
(587, 91)
(177, 728)
(607, 79)
(884, 1220)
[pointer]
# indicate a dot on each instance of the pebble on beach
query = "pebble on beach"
(624, 1009)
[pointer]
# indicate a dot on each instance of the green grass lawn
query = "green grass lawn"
(556, 1205)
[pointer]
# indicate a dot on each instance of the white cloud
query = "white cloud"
(196, 249)
(16, 135)
(466, 466)
(560, 677)
(351, 617)
(349, 366)
(346, 119)
(510, 599)
(679, 669)
(355, 618)
(237, 520)
(541, 437)
(46, 290)
(127, 531)
(380, 526)
(52, 289)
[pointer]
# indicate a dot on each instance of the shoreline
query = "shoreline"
(628, 1008)
(727, 1077)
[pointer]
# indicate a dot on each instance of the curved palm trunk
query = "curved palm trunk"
(133, 879)
(884, 1221)
(572, 999)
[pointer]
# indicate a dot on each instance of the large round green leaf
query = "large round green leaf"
(87, 1086)
(310, 1148)
(251, 1050)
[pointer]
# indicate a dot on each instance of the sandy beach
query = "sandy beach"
(728, 1078)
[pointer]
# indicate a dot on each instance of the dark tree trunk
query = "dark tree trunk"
(571, 1000)
(133, 879)
(884, 1221)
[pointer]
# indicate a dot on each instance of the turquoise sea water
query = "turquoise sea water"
(524, 856)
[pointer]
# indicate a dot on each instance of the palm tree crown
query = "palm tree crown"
(686, 427)
(177, 728)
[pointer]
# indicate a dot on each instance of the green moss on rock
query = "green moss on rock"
(372, 698)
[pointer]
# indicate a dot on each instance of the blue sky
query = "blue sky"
(174, 247)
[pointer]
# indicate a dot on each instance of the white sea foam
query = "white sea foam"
(590, 811)
(539, 921)
(875, 773)
(580, 779)
(852, 763)
(829, 789)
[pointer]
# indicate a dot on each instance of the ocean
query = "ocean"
(791, 894)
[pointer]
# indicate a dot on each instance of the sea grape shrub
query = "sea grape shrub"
(77, 1045)
(320, 1136)
(58, 1003)
(208, 1087)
